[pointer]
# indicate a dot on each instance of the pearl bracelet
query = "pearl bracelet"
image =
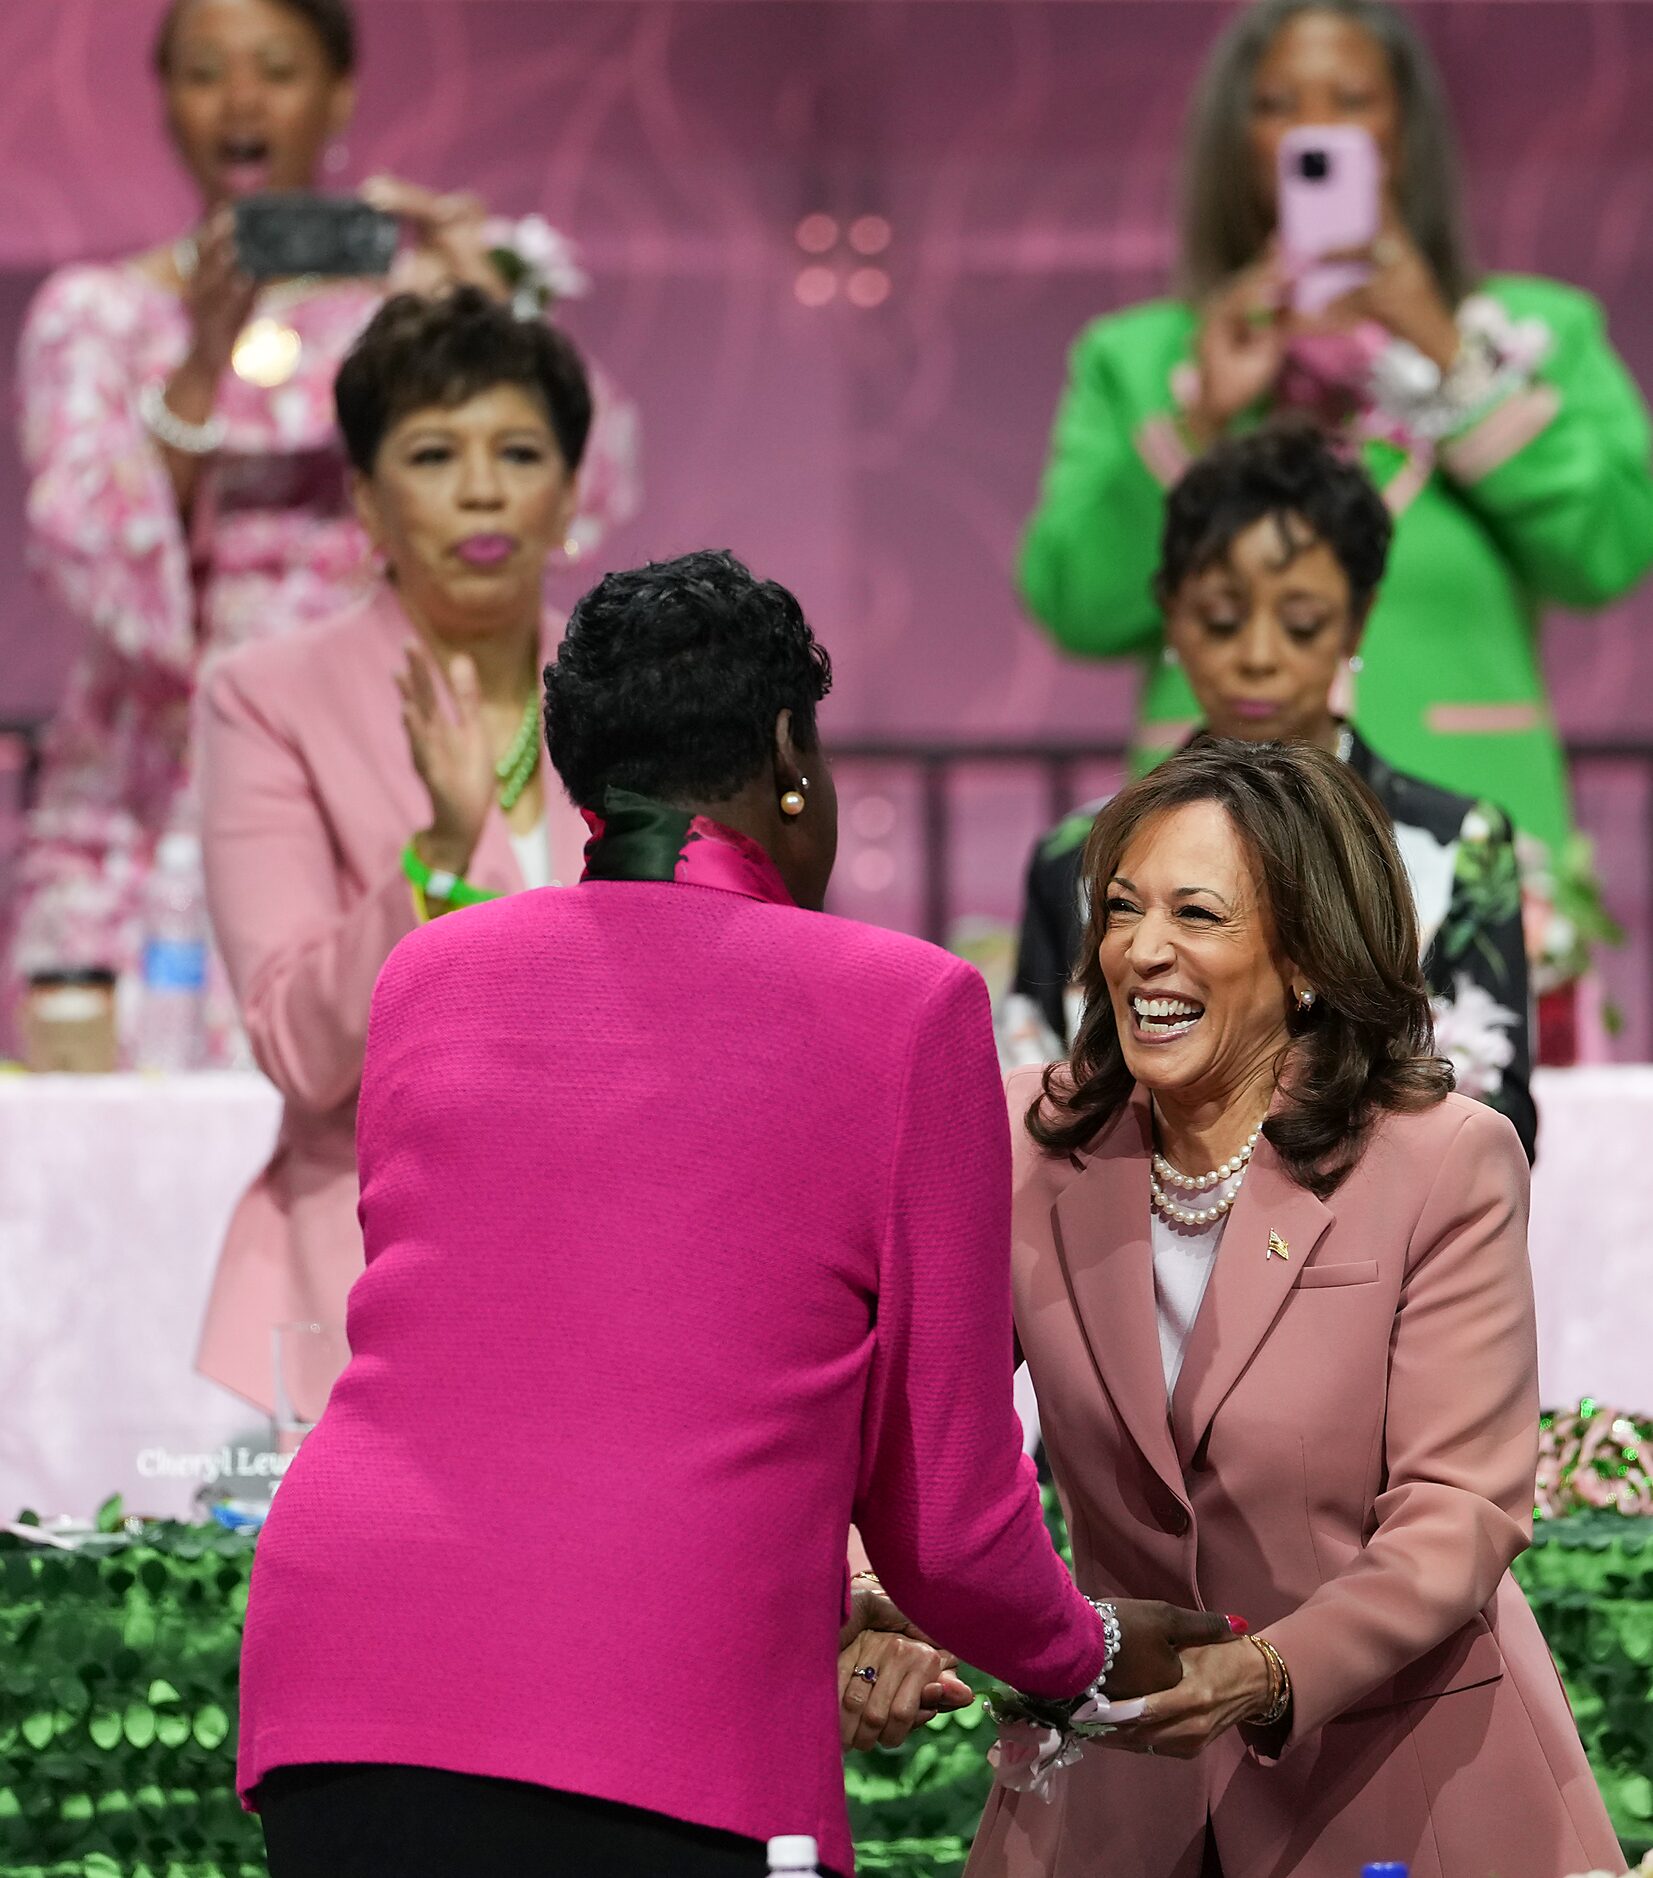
(164, 424)
(1112, 1642)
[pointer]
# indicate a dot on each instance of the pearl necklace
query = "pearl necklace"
(1163, 1174)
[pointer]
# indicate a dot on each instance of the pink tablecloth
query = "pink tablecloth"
(114, 1193)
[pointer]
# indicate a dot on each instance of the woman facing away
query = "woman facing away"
(378, 769)
(1505, 434)
(1272, 559)
(1271, 1281)
(187, 488)
(675, 1266)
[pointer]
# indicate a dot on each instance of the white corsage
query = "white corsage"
(1038, 1739)
(537, 263)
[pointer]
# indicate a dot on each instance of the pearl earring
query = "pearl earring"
(792, 803)
(1305, 1001)
(571, 549)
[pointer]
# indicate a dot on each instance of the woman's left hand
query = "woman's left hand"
(450, 233)
(1401, 294)
(1221, 1684)
(911, 1683)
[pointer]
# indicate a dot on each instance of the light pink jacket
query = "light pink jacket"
(1347, 1461)
(309, 796)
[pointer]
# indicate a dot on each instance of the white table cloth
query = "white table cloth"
(115, 1191)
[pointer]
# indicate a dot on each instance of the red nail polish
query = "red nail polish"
(1238, 1625)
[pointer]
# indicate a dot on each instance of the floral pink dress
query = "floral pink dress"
(271, 545)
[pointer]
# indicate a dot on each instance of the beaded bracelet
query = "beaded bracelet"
(1112, 1641)
(436, 883)
(164, 424)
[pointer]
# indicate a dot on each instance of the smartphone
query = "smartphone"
(283, 234)
(1330, 198)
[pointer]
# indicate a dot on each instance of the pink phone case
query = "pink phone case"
(1330, 191)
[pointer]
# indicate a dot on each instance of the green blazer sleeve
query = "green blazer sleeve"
(1561, 471)
(1090, 550)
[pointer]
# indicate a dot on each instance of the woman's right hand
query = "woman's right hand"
(1240, 348)
(217, 296)
(453, 756)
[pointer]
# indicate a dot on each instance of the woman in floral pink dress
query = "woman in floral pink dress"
(187, 490)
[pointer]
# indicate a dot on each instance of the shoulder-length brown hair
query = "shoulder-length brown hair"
(1337, 903)
(1224, 225)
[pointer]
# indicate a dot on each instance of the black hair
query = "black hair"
(1285, 470)
(670, 677)
(417, 353)
(332, 21)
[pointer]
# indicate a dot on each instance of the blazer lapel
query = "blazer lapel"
(1102, 1239)
(1248, 1289)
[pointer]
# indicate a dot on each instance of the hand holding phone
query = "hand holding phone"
(1330, 202)
(280, 235)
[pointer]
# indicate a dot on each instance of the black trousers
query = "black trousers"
(364, 1820)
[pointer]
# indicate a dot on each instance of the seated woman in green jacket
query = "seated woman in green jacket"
(1508, 439)
(1273, 554)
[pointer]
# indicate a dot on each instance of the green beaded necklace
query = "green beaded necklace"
(516, 767)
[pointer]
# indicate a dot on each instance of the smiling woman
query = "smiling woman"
(1272, 1286)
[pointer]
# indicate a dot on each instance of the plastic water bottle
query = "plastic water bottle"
(794, 1854)
(1383, 1868)
(172, 1014)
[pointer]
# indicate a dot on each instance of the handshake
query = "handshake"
(892, 1678)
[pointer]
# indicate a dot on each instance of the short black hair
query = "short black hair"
(670, 677)
(1283, 469)
(417, 353)
(332, 21)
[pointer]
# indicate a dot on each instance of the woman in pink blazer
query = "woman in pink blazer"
(1271, 1279)
(687, 1221)
(336, 812)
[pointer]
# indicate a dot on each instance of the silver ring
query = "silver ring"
(867, 1673)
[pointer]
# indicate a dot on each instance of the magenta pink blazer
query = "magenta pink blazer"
(687, 1221)
(309, 796)
(1347, 1461)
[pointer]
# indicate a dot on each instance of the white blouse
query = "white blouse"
(1183, 1260)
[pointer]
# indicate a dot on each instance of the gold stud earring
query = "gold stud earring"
(792, 803)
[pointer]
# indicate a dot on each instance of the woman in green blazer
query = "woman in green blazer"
(1511, 444)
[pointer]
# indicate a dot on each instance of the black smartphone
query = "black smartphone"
(279, 235)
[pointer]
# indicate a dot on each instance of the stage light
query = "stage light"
(815, 286)
(868, 287)
(869, 234)
(817, 233)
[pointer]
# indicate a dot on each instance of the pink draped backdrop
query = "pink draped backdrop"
(878, 450)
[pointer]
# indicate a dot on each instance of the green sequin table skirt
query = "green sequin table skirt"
(117, 1707)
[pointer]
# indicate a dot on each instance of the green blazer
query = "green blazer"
(1547, 498)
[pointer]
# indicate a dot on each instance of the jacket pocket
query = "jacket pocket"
(1356, 1272)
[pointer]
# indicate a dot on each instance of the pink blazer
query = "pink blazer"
(309, 796)
(1348, 1461)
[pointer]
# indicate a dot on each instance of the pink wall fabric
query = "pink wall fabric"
(880, 459)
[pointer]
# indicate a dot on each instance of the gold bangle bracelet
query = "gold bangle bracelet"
(1279, 1685)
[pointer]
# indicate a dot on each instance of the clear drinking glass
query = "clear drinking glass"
(309, 1359)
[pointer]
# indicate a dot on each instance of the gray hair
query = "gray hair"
(1224, 225)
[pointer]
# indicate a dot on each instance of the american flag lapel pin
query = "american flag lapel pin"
(1277, 1247)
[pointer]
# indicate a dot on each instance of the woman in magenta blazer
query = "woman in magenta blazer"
(1272, 1283)
(352, 771)
(687, 1223)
